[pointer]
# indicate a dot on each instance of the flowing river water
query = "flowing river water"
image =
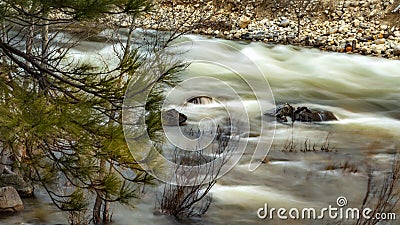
(363, 92)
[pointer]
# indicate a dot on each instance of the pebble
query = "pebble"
(352, 19)
(244, 21)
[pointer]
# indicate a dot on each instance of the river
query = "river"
(363, 92)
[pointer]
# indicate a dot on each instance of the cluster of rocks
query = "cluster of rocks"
(13, 187)
(301, 114)
(354, 26)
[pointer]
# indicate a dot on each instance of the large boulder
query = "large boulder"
(24, 188)
(173, 118)
(10, 200)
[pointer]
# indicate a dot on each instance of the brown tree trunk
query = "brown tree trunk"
(99, 201)
(106, 213)
(97, 210)
(106, 209)
(29, 39)
(44, 50)
(28, 48)
(45, 37)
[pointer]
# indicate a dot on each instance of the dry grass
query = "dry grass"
(188, 192)
(306, 146)
(345, 167)
(382, 194)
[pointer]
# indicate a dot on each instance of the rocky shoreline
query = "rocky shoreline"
(365, 27)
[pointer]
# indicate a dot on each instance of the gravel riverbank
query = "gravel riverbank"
(354, 26)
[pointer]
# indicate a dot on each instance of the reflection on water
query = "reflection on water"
(362, 92)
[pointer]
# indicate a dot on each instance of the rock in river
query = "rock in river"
(199, 100)
(23, 188)
(302, 114)
(173, 118)
(10, 200)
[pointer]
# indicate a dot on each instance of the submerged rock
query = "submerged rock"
(10, 200)
(173, 118)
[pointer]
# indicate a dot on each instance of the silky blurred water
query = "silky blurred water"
(363, 92)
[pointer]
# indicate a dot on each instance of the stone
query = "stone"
(23, 188)
(343, 29)
(384, 27)
(348, 48)
(356, 23)
(246, 36)
(366, 50)
(259, 35)
(379, 41)
(378, 49)
(244, 21)
(173, 118)
(333, 31)
(301, 113)
(365, 25)
(10, 200)
(284, 23)
(396, 50)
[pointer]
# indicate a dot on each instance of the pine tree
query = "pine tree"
(62, 119)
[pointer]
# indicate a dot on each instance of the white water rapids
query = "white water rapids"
(363, 92)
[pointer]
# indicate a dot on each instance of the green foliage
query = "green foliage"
(74, 10)
(62, 119)
(76, 201)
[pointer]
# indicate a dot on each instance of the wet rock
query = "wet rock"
(259, 35)
(303, 114)
(173, 118)
(246, 36)
(10, 200)
(200, 100)
(23, 188)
